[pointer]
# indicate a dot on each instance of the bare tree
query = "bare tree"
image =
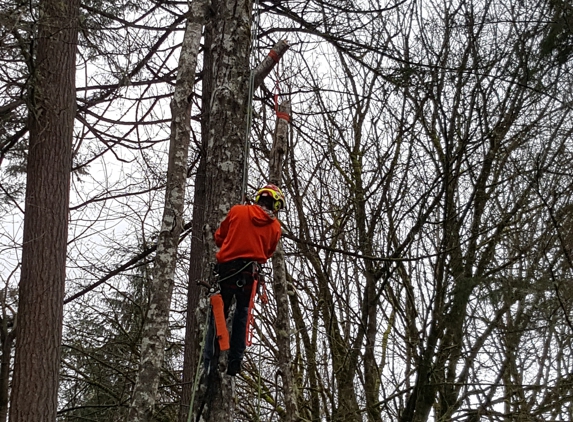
(192, 337)
(427, 241)
(280, 282)
(157, 318)
(225, 155)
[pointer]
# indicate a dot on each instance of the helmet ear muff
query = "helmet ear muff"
(277, 205)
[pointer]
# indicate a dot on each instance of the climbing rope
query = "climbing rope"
(259, 385)
(198, 369)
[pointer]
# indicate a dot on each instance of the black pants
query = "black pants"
(238, 286)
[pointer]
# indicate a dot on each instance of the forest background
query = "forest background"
(428, 234)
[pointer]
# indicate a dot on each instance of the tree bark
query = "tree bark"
(193, 333)
(41, 291)
(264, 68)
(228, 104)
(157, 319)
(196, 311)
(8, 337)
(283, 327)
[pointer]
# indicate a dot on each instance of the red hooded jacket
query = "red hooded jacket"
(248, 232)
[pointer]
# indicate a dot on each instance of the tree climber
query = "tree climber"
(247, 238)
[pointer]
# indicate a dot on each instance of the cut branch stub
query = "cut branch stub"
(264, 68)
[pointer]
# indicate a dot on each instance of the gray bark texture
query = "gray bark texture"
(227, 108)
(157, 319)
(264, 68)
(52, 109)
(194, 331)
(281, 290)
(193, 335)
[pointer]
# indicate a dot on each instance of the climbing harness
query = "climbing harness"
(222, 334)
(230, 271)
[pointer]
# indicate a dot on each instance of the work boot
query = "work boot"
(234, 367)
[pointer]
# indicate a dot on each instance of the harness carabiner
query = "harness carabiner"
(241, 282)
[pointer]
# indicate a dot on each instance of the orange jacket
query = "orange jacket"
(247, 232)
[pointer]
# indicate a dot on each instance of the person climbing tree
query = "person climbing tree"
(247, 238)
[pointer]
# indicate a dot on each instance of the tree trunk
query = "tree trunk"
(8, 337)
(192, 333)
(196, 311)
(42, 284)
(283, 328)
(192, 342)
(229, 74)
(157, 319)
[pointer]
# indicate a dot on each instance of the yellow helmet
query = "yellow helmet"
(275, 193)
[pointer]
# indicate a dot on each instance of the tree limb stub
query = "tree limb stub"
(264, 68)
